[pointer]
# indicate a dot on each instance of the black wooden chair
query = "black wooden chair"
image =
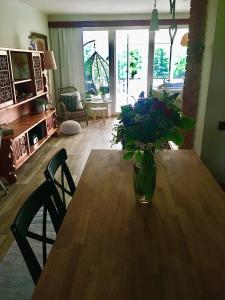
(43, 197)
(57, 162)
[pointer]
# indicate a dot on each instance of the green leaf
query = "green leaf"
(173, 96)
(130, 146)
(128, 155)
(138, 156)
(177, 137)
(187, 123)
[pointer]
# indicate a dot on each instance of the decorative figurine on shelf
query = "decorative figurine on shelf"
(40, 105)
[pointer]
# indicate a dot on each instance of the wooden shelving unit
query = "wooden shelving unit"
(22, 82)
(23, 101)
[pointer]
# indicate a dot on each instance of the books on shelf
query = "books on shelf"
(6, 130)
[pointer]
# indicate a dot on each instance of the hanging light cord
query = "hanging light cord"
(172, 6)
(172, 31)
(155, 4)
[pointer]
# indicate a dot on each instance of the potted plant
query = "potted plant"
(145, 128)
(40, 105)
(103, 90)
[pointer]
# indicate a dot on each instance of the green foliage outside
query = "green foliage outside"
(88, 51)
(135, 64)
(161, 64)
(179, 71)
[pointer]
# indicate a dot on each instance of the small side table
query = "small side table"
(98, 103)
(99, 110)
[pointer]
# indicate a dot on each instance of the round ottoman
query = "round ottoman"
(70, 127)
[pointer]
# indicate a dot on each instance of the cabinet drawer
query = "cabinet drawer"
(20, 149)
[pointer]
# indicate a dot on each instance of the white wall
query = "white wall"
(212, 148)
(205, 76)
(17, 20)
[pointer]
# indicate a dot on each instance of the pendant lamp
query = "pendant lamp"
(154, 23)
(185, 39)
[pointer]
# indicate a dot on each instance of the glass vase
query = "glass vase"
(145, 177)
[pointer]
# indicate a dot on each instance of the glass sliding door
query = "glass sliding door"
(131, 65)
(126, 62)
(162, 55)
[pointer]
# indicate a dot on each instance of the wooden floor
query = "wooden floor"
(30, 175)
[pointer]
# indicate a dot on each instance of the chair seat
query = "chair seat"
(80, 113)
(98, 108)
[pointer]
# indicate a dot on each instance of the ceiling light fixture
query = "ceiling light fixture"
(172, 32)
(154, 23)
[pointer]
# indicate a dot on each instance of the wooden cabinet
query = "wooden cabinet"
(22, 81)
(37, 65)
(51, 124)
(20, 149)
(6, 87)
(19, 146)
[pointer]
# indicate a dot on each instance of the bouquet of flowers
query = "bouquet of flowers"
(146, 127)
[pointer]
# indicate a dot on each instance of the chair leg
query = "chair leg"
(94, 116)
(3, 188)
(44, 247)
(103, 116)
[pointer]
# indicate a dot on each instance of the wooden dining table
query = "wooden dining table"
(112, 247)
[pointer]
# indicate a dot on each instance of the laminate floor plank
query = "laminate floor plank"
(30, 175)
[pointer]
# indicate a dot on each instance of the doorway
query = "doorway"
(131, 65)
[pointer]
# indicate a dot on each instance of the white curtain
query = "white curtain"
(67, 44)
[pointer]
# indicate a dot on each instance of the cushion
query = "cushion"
(69, 101)
(72, 101)
(70, 127)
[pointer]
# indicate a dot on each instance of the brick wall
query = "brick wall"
(198, 13)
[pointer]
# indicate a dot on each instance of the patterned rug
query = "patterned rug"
(15, 279)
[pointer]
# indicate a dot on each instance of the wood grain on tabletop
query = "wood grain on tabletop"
(111, 247)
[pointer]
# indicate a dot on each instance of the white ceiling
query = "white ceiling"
(88, 7)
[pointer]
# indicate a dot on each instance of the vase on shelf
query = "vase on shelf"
(40, 108)
(144, 177)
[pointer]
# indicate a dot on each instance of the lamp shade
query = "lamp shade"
(185, 39)
(154, 23)
(49, 60)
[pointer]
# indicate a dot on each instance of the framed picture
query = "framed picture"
(40, 41)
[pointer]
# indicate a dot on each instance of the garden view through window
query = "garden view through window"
(131, 59)
(162, 55)
(96, 62)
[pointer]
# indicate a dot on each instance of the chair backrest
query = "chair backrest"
(43, 197)
(0, 136)
(58, 161)
(64, 90)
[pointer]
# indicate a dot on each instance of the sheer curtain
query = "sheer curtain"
(67, 44)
